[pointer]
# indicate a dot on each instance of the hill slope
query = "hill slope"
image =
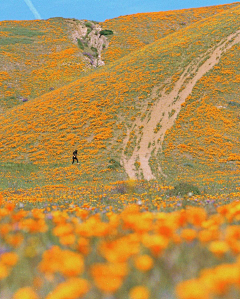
(133, 32)
(38, 56)
(124, 111)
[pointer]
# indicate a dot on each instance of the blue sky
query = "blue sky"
(97, 10)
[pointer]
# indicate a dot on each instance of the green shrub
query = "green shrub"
(183, 188)
(106, 32)
(89, 25)
(234, 104)
(114, 164)
(80, 44)
(95, 51)
(188, 164)
(89, 30)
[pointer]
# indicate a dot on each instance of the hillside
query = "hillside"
(152, 209)
(39, 56)
(182, 87)
(132, 32)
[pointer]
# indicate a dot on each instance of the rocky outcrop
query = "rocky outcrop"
(88, 35)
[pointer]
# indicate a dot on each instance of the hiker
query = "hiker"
(75, 156)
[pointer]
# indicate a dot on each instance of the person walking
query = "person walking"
(75, 156)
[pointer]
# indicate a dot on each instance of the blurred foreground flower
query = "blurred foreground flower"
(139, 292)
(73, 288)
(25, 293)
(109, 277)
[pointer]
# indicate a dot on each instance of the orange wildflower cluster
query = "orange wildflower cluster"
(219, 282)
(107, 198)
(7, 261)
(68, 263)
(76, 251)
(26, 293)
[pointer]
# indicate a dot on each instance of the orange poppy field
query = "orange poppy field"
(126, 240)
(152, 209)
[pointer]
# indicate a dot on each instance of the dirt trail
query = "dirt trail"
(166, 108)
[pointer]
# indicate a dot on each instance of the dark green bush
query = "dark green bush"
(182, 189)
(114, 164)
(188, 164)
(106, 32)
(232, 103)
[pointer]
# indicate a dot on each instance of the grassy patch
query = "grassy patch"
(15, 40)
(22, 31)
(80, 44)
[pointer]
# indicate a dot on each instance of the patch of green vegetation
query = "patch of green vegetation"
(88, 31)
(76, 20)
(89, 25)
(9, 102)
(113, 164)
(95, 51)
(94, 22)
(170, 114)
(17, 175)
(184, 188)
(188, 164)
(106, 32)
(22, 31)
(80, 44)
(131, 145)
(158, 127)
(14, 40)
(234, 104)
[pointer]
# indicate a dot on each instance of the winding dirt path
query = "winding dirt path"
(166, 109)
